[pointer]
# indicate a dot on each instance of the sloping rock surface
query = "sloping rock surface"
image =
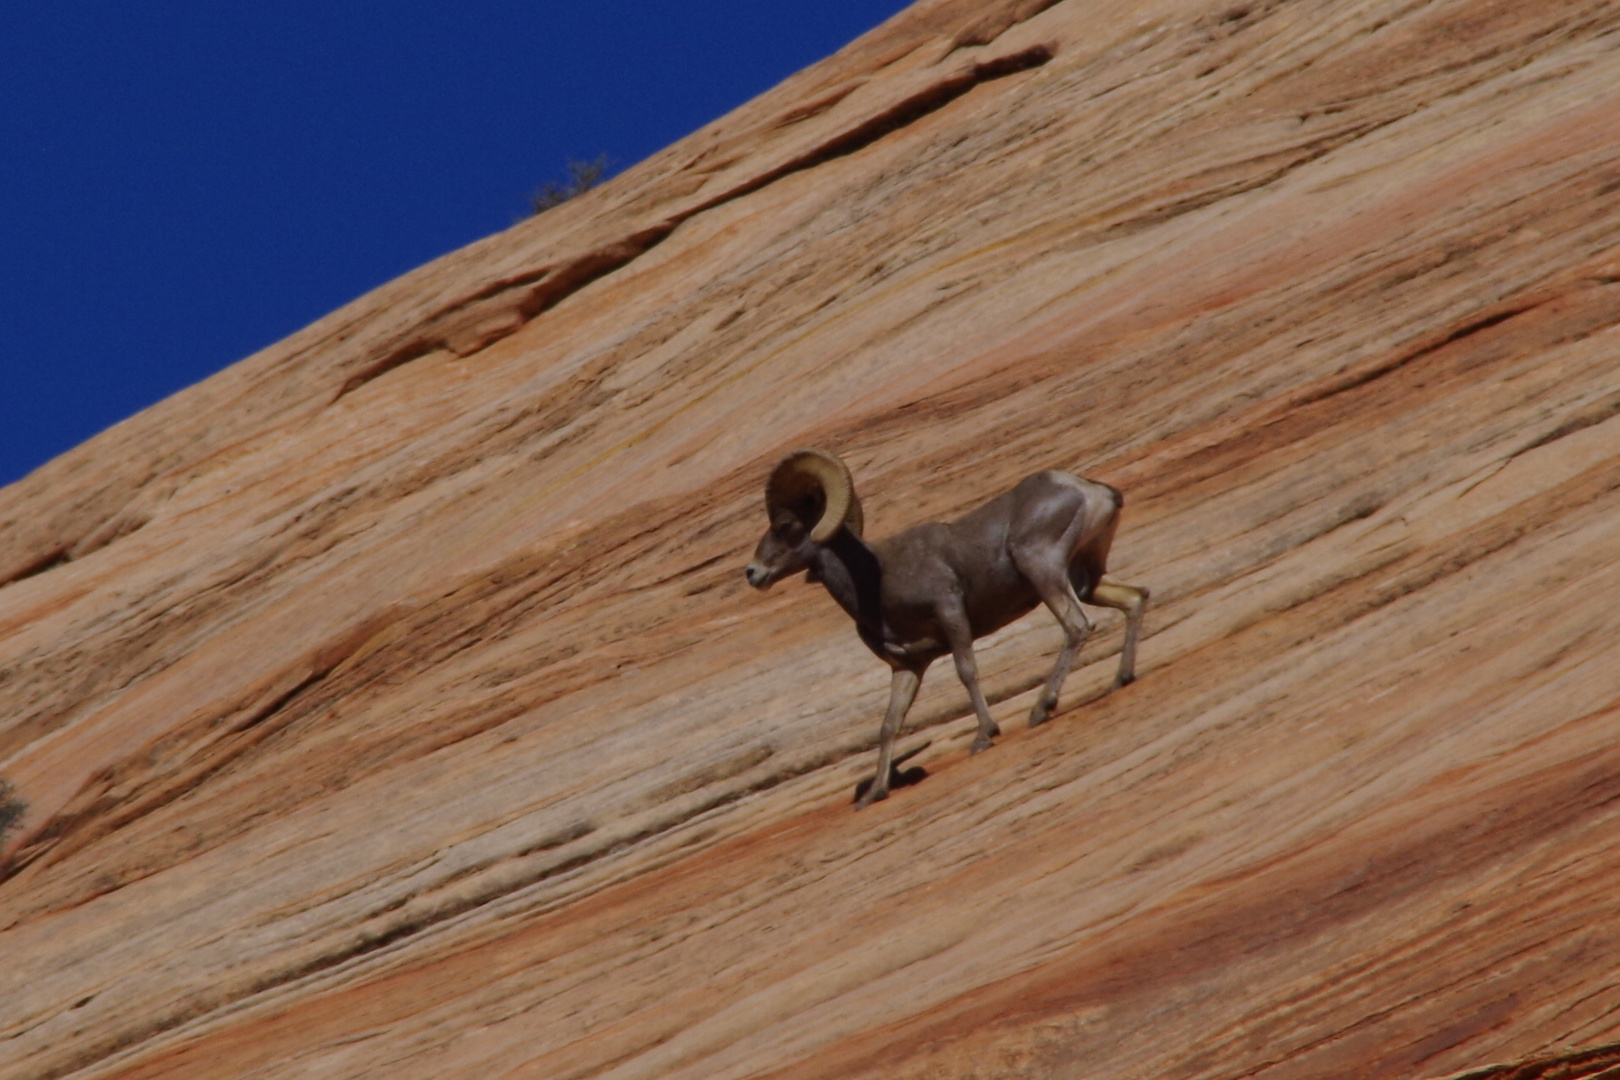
(392, 703)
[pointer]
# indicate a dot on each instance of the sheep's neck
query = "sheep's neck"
(852, 574)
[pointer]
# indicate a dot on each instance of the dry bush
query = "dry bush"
(12, 809)
(582, 176)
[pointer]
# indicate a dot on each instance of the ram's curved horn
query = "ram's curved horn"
(815, 487)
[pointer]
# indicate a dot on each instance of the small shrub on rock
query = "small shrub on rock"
(12, 809)
(582, 176)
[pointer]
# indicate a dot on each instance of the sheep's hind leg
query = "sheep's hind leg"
(902, 689)
(1133, 601)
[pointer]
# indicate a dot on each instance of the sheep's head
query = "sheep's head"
(809, 497)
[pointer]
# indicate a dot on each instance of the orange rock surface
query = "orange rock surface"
(392, 703)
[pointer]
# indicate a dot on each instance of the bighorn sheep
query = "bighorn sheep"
(934, 588)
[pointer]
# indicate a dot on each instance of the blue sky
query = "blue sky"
(183, 183)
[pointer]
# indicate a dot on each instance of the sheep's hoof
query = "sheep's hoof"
(1121, 681)
(898, 778)
(1040, 714)
(981, 743)
(864, 795)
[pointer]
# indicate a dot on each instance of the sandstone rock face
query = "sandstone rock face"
(392, 703)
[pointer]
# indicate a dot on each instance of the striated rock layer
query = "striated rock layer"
(392, 703)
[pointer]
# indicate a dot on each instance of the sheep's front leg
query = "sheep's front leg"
(902, 689)
(955, 622)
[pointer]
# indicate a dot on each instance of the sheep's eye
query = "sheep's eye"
(790, 530)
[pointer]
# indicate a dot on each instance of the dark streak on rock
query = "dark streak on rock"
(991, 26)
(53, 557)
(1599, 1061)
(908, 111)
(1362, 378)
(1580, 421)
